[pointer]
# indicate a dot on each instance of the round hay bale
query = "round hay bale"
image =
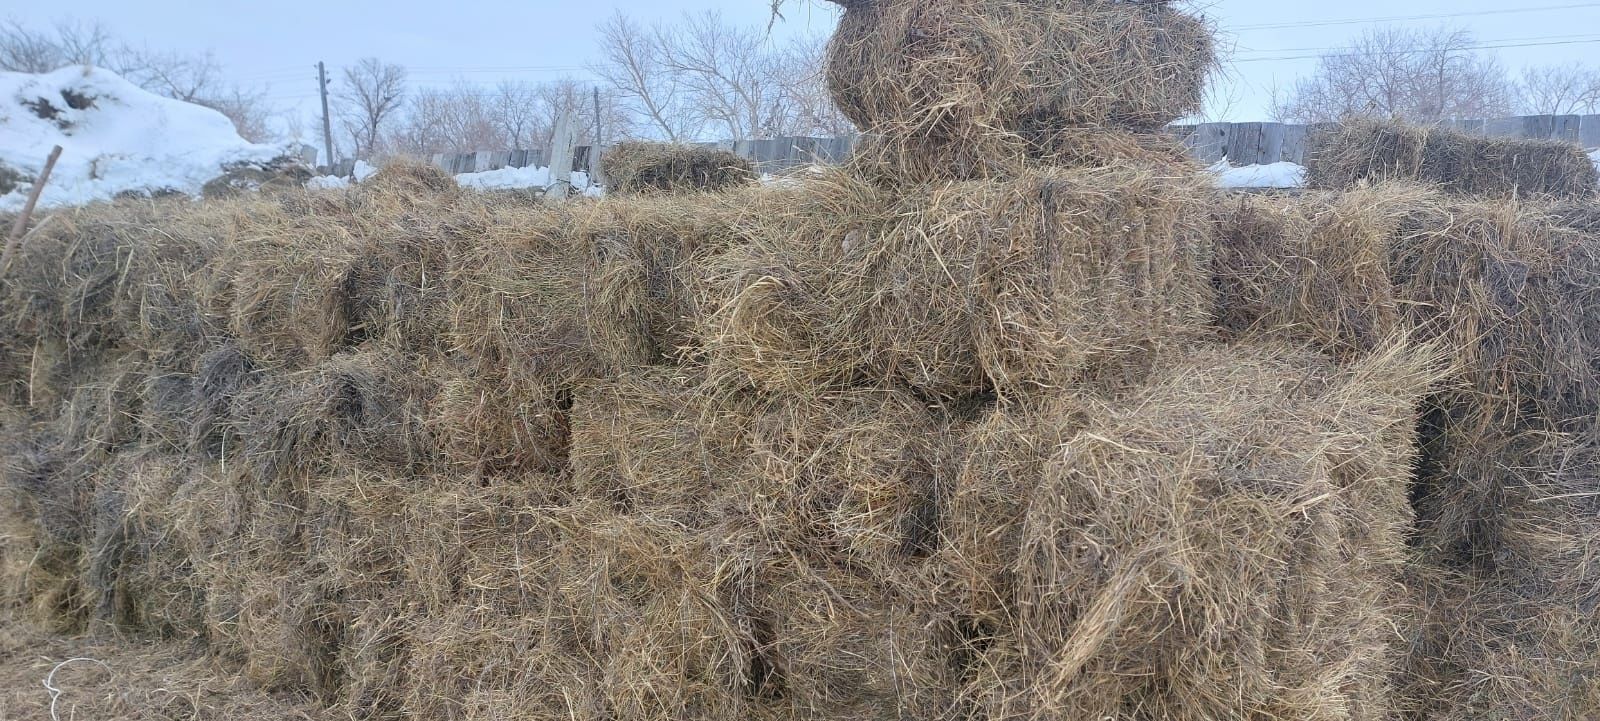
(645, 168)
(956, 68)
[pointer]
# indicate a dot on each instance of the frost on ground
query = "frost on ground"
(116, 138)
(1275, 175)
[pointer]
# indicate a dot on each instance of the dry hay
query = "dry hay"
(1505, 485)
(127, 679)
(899, 159)
(849, 475)
(959, 288)
(646, 260)
(955, 69)
(1373, 152)
(365, 409)
(647, 168)
(411, 180)
(1224, 543)
(1497, 648)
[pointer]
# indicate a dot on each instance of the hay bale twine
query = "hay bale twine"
(1465, 164)
(645, 168)
(956, 68)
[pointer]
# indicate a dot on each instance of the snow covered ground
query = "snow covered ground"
(1276, 175)
(1595, 156)
(502, 179)
(116, 137)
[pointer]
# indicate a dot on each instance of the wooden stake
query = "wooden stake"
(18, 227)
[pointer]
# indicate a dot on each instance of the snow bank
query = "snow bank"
(1595, 156)
(116, 137)
(1276, 175)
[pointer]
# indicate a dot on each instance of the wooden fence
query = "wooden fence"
(1239, 143)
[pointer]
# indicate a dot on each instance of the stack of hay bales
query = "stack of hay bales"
(916, 438)
(1503, 575)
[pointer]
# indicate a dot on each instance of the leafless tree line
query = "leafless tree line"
(703, 77)
(190, 78)
(696, 79)
(1431, 75)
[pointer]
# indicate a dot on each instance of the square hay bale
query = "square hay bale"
(473, 665)
(896, 159)
(221, 374)
(1497, 648)
(1225, 542)
(1509, 291)
(278, 285)
(364, 409)
(848, 475)
(495, 423)
(953, 68)
(646, 260)
(1373, 152)
(963, 287)
(516, 294)
(638, 168)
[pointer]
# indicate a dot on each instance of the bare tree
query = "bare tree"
(726, 71)
(1416, 75)
(372, 93)
(810, 107)
(632, 64)
(516, 110)
(25, 50)
(458, 119)
(190, 78)
(249, 111)
(1559, 90)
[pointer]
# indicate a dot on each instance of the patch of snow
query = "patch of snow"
(521, 178)
(115, 136)
(327, 182)
(502, 179)
(1595, 156)
(1276, 175)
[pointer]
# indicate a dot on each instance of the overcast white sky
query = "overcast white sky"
(274, 45)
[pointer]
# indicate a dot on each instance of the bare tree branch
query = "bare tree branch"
(373, 92)
(1559, 90)
(1416, 75)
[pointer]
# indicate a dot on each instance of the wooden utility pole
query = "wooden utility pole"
(21, 225)
(327, 124)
